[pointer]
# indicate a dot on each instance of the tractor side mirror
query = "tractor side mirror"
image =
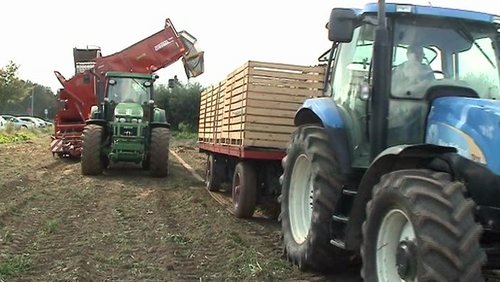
(341, 24)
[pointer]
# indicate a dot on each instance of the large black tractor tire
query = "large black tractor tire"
(311, 186)
(212, 179)
(244, 190)
(159, 152)
(92, 142)
(420, 227)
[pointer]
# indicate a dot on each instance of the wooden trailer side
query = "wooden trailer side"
(261, 101)
(255, 105)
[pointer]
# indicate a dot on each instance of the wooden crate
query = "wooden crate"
(255, 105)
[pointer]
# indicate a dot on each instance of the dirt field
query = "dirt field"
(56, 224)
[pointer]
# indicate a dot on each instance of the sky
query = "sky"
(40, 35)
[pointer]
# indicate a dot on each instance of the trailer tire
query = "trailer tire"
(434, 236)
(159, 151)
(311, 186)
(244, 190)
(212, 179)
(91, 160)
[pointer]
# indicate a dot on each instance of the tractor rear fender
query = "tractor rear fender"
(159, 119)
(391, 159)
(324, 112)
(100, 122)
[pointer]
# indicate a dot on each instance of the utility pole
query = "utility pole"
(32, 100)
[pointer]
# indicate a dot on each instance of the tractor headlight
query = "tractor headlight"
(122, 119)
(139, 120)
(134, 120)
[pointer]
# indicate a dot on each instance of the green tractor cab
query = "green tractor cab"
(126, 126)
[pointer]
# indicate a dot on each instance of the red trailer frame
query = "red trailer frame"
(243, 152)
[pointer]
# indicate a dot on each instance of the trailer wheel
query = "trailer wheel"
(92, 161)
(419, 227)
(244, 190)
(160, 142)
(311, 187)
(212, 180)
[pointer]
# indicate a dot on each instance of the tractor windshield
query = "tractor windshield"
(129, 90)
(430, 52)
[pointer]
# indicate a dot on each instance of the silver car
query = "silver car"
(18, 124)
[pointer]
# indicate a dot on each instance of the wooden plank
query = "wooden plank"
(271, 113)
(267, 136)
(261, 64)
(264, 143)
(268, 128)
(296, 79)
(280, 105)
(286, 91)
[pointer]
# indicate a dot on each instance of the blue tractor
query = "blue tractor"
(399, 163)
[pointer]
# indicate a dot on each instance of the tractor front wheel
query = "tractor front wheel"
(244, 190)
(419, 227)
(159, 151)
(92, 161)
(312, 183)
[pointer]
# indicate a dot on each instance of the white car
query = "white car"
(38, 123)
(3, 122)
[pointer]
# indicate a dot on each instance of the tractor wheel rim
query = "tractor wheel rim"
(396, 248)
(301, 199)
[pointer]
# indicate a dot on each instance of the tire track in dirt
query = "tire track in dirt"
(126, 225)
(17, 194)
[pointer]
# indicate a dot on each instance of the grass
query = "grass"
(12, 266)
(50, 226)
(184, 135)
(10, 135)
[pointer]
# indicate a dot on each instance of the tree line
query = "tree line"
(181, 101)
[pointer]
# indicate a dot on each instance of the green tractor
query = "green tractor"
(126, 126)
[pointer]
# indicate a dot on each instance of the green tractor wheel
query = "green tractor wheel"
(158, 160)
(92, 161)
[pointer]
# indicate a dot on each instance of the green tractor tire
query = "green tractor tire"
(159, 152)
(92, 162)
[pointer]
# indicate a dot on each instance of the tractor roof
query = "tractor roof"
(432, 11)
(129, 74)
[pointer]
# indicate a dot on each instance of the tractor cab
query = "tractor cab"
(427, 53)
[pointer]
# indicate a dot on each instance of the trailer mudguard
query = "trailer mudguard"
(324, 111)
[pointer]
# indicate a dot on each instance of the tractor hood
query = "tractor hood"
(129, 110)
(470, 125)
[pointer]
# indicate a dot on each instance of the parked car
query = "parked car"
(3, 122)
(18, 123)
(39, 123)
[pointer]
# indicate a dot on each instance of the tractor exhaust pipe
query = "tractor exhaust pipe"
(381, 89)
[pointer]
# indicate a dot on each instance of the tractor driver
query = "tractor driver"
(412, 77)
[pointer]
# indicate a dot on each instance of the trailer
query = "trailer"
(245, 123)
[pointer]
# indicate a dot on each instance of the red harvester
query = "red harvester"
(79, 93)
